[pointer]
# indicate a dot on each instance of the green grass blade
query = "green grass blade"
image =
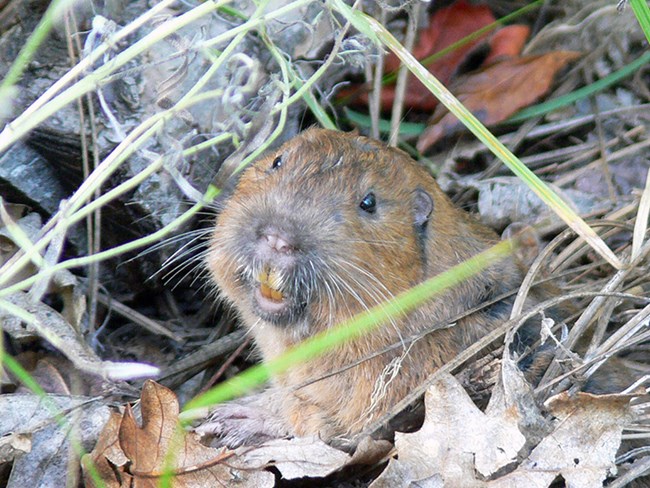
(642, 12)
(55, 10)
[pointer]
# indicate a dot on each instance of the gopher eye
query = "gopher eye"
(277, 162)
(369, 203)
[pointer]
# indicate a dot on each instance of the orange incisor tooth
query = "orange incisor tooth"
(269, 284)
(266, 291)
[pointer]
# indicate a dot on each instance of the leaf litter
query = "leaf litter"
(501, 84)
(128, 454)
(458, 445)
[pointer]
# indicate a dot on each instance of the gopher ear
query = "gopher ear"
(422, 207)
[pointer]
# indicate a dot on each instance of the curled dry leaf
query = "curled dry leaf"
(582, 447)
(399, 474)
(107, 458)
(506, 199)
(513, 393)
(14, 445)
(446, 26)
(129, 455)
(51, 373)
(497, 91)
(370, 451)
(458, 445)
(507, 43)
(37, 436)
(455, 441)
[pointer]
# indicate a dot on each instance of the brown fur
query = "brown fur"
(323, 177)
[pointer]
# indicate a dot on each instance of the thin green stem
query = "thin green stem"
(19, 127)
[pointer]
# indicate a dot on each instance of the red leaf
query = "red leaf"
(507, 43)
(497, 91)
(447, 26)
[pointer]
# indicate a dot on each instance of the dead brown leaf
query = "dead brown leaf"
(507, 42)
(130, 455)
(37, 436)
(497, 91)
(107, 459)
(49, 373)
(399, 474)
(161, 445)
(13, 445)
(370, 451)
(447, 26)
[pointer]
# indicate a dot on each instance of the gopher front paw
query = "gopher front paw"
(242, 423)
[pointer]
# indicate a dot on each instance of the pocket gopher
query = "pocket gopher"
(325, 227)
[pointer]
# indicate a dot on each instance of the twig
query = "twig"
(403, 73)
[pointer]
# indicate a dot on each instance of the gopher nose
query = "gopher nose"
(278, 243)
